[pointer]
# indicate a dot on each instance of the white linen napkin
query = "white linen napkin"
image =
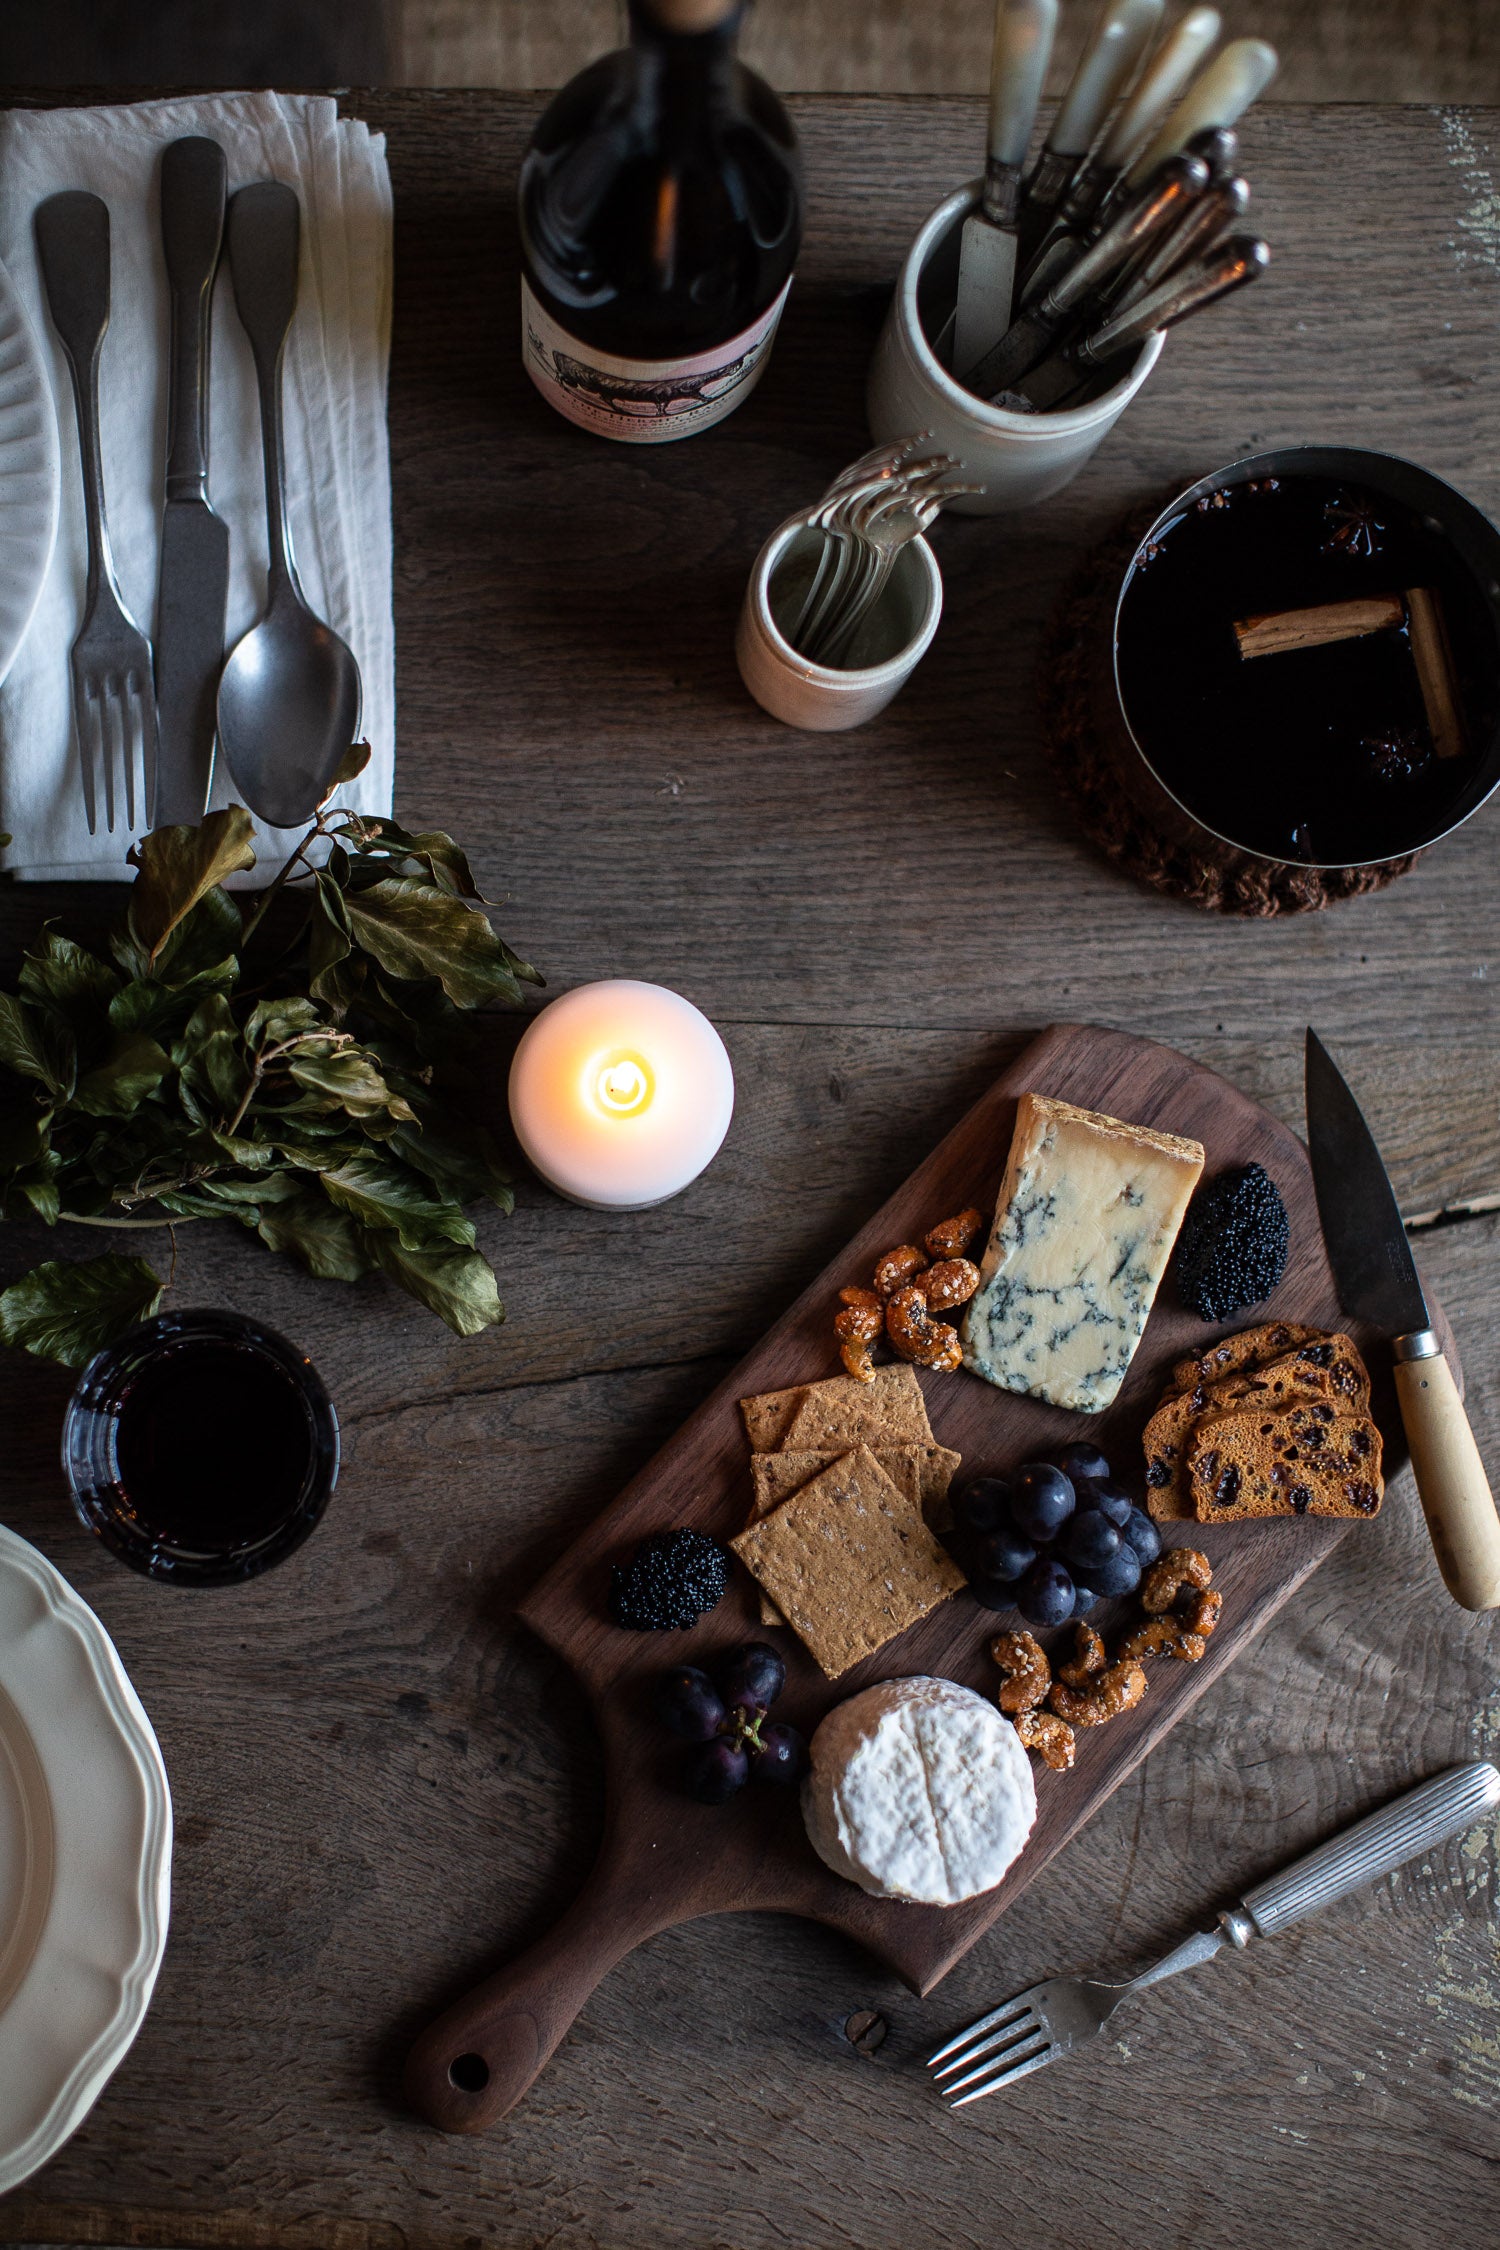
(338, 467)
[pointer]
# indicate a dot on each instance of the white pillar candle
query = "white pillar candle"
(620, 1094)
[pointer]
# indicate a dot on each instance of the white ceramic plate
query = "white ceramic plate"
(29, 472)
(85, 1860)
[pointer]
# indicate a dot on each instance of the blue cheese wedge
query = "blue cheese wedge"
(1087, 1216)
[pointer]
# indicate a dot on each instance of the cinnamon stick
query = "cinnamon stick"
(1285, 629)
(1434, 661)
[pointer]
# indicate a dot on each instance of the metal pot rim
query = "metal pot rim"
(1346, 460)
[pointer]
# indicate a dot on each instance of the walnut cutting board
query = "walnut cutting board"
(665, 1859)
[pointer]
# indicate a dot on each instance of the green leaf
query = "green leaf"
(179, 867)
(348, 1076)
(273, 1022)
(350, 766)
(387, 1195)
(133, 1067)
(415, 930)
(457, 1155)
(69, 1312)
(58, 974)
(210, 1055)
(327, 1241)
(458, 1285)
(328, 943)
(146, 1004)
(35, 1045)
(38, 1184)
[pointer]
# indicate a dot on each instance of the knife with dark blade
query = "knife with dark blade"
(1378, 1282)
(194, 584)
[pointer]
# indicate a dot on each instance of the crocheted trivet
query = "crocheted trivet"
(1207, 874)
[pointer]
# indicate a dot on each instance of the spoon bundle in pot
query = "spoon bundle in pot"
(1135, 232)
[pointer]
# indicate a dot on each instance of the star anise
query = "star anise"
(1216, 499)
(1353, 527)
(1399, 755)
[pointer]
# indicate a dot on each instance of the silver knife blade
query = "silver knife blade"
(193, 584)
(1373, 1267)
(190, 605)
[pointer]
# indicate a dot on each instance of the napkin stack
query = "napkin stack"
(338, 469)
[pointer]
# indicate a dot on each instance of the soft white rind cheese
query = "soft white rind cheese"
(918, 1789)
(1088, 1213)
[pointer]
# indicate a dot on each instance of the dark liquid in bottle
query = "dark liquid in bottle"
(213, 1446)
(1315, 754)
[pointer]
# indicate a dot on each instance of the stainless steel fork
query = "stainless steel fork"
(114, 698)
(1042, 2025)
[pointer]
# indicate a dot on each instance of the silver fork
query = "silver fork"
(114, 698)
(1042, 2025)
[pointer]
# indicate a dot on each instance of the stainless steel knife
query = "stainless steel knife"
(193, 587)
(1378, 1282)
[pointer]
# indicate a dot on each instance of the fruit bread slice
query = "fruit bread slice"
(1232, 1355)
(1302, 1460)
(1328, 1368)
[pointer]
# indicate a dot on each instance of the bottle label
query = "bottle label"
(643, 401)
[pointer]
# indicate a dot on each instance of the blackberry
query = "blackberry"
(669, 1582)
(1233, 1247)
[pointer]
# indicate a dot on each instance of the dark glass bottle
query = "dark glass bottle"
(661, 212)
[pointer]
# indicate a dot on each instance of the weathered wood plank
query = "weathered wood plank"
(382, 1786)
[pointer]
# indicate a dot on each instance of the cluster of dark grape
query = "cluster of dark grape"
(725, 1718)
(1053, 1539)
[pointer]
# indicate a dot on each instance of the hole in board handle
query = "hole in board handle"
(469, 2073)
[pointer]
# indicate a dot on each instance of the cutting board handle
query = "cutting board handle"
(478, 2058)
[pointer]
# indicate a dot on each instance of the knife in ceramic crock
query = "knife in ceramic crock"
(194, 583)
(987, 247)
(1111, 57)
(1378, 1282)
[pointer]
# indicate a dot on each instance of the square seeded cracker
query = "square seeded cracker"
(848, 1561)
(841, 1412)
(922, 1475)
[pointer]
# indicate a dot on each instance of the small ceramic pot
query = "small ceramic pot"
(1018, 459)
(822, 698)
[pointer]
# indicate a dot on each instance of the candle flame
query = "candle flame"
(624, 1086)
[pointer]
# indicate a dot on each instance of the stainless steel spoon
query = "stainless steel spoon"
(289, 695)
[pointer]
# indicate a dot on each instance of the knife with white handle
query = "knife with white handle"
(1145, 107)
(1218, 96)
(1112, 55)
(1024, 31)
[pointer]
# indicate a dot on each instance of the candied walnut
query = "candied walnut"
(1119, 1689)
(952, 1238)
(861, 1318)
(952, 1281)
(855, 1354)
(1202, 1614)
(1164, 1581)
(1164, 1636)
(1051, 1736)
(914, 1335)
(897, 1268)
(1088, 1657)
(1028, 1675)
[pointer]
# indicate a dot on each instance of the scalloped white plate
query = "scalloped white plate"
(85, 1860)
(30, 476)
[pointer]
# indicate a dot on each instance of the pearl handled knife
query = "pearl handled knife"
(1024, 31)
(1109, 62)
(1220, 95)
(1377, 1281)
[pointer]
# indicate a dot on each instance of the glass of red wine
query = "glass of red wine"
(201, 1448)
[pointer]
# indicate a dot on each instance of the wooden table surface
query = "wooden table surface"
(382, 1785)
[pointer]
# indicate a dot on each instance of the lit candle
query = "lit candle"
(620, 1094)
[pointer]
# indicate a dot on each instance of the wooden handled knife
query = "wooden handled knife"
(1378, 1282)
